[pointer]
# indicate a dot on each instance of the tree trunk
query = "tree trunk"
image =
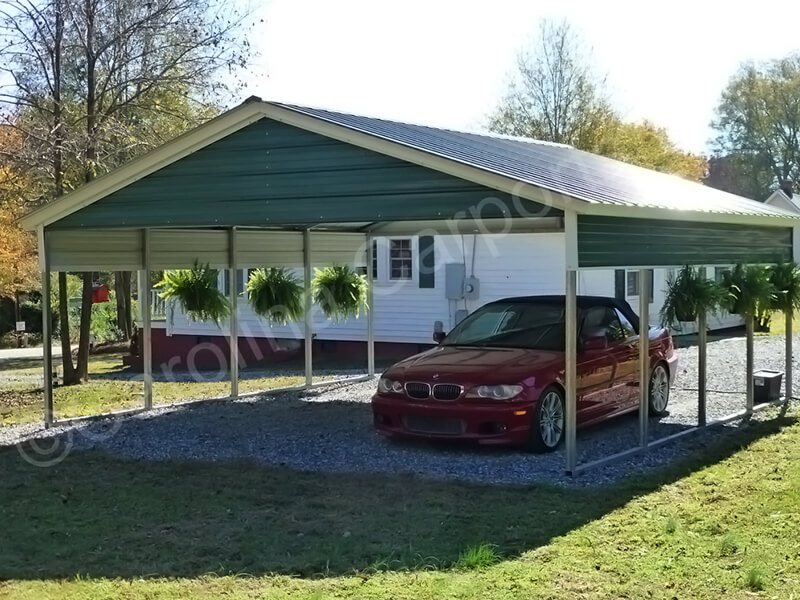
(82, 368)
(63, 317)
(67, 366)
(122, 291)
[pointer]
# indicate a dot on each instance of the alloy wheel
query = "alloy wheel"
(551, 419)
(659, 390)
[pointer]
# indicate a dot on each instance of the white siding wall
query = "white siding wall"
(506, 265)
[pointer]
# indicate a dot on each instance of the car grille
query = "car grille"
(437, 425)
(418, 391)
(447, 391)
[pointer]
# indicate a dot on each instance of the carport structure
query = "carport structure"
(268, 183)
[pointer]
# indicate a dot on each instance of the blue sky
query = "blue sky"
(446, 63)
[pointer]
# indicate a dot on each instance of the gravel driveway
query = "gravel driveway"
(330, 430)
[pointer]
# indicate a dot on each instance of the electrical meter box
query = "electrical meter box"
(454, 274)
(472, 288)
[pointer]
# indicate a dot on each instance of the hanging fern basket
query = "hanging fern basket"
(689, 294)
(275, 295)
(195, 290)
(747, 290)
(340, 292)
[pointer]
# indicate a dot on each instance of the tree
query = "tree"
(645, 145)
(557, 96)
(758, 125)
(90, 77)
(19, 268)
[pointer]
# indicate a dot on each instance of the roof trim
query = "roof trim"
(251, 111)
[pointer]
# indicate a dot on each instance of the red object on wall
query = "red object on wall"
(99, 293)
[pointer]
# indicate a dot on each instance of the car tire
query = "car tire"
(658, 392)
(549, 421)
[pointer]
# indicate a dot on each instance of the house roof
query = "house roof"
(557, 175)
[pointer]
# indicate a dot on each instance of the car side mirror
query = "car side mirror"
(594, 343)
(438, 332)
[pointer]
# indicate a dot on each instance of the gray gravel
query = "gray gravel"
(330, 430)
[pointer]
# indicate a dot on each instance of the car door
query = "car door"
(597, 367)
(627, 376)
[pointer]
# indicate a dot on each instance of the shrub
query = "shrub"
(340, 292)
(275, 295)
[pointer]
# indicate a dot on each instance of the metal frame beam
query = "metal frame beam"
(233, 295)
(47, 333)
(370, 309)
(147, 326)
(644, 356)
(308, 334)
(571, 340)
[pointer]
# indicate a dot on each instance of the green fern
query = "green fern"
(688, 295)
(747, 290)
(195, 290)
(340, 292)
(276, 295)
(785, 278)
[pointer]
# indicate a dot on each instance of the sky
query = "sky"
(447, 63)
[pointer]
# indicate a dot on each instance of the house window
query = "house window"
(400, 263)
(633, 285)
(719, 273)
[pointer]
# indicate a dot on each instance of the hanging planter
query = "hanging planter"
(340, 292)
(785, 279)
(195, 290)
(746, 290)
(276, 295)
(689, 294)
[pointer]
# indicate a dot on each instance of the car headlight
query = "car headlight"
(495, 392)
(389, 386)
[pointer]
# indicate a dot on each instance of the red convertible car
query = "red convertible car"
(498, 376)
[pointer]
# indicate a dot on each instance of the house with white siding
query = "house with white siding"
(466, 272)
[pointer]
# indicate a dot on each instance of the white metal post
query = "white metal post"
(644, 355)
(571, 339)
(749, 321)
(571, 370)
(233, 292)
(789, 352)
(702, 341)
(47, 334)
(307, 305)
(146, 308)
(370, 310)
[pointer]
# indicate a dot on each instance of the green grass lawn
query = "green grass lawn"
(110, 389)
(95, 527)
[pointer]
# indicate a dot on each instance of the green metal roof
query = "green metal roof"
(272, 164)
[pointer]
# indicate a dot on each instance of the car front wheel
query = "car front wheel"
(547, 429)
(659, 391)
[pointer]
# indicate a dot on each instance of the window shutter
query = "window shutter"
(427, 262)
(619, 284)
(240, 283)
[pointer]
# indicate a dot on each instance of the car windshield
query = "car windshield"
(538, 326)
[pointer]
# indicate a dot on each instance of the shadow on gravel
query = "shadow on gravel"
(101, 516)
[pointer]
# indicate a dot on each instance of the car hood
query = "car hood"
(476, 366)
